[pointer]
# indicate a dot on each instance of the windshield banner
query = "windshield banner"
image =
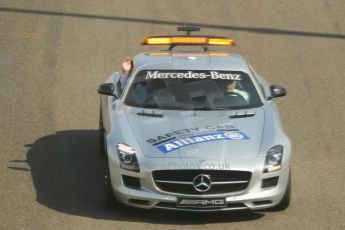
(214, 75)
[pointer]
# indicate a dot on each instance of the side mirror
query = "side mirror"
(107, 89)
(277, 91)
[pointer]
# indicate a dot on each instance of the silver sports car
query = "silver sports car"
(193, 131)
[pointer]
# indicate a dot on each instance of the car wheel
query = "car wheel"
(110, 199)
(101, 134)
(285, 202)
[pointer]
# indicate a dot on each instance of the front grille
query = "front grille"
(181, 181)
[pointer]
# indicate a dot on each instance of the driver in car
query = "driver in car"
(232, 88)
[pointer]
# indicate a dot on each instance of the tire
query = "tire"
(101, 134)
(285, 202)
(110, 199)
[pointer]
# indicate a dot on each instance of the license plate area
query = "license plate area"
(201, 203)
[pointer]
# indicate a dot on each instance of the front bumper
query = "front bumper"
(149, 196)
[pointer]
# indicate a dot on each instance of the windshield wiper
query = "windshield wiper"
(149, 106)
(175, 107)
(202, 108)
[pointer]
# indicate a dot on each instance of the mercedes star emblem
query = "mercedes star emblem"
(202, 183)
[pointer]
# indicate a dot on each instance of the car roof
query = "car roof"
(190, 60)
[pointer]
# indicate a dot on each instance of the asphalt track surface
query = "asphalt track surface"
(54, 54)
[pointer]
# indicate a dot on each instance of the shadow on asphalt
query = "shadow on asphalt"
(259, 30)
(67, 172)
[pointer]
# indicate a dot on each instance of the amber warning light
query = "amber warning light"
(188, 40)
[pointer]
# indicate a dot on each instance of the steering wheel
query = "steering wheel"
(236, 98)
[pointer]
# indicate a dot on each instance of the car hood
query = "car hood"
(197, 134)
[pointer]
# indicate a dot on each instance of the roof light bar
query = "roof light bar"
(220, 42)
(157, 41)
(188, 40)
(210, 54)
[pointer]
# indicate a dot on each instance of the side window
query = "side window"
(118, 90)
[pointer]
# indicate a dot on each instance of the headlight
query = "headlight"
(274, 158)
(127, 157)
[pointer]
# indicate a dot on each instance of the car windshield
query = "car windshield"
(192, 90)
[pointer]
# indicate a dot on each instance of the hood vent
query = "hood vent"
(242, 115)
(150, 114)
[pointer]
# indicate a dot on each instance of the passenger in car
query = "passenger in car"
(121, 78)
